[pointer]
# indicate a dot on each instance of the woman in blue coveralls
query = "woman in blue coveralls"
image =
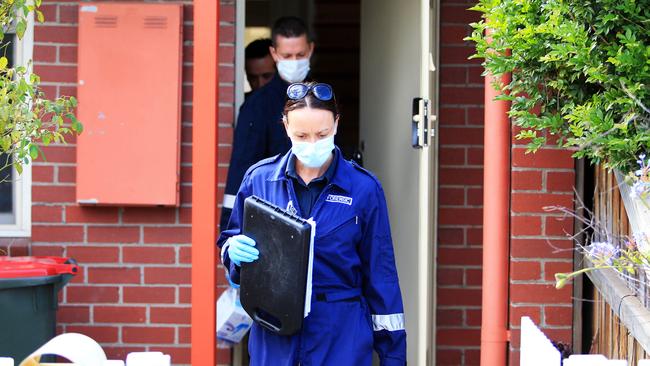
(357, 304)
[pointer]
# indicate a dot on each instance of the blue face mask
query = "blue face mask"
(313, 154)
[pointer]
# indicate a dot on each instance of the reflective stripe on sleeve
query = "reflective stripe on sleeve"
(228, 201)
(390, 322)
(223, 249)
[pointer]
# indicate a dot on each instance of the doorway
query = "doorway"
(380, 55)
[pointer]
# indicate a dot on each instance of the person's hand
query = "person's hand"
(242, 249)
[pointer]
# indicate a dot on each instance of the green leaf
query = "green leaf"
(21, 26)
(3, 62)
(33, 151)
(40, 17)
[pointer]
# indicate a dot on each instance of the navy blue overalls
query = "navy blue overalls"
(353, 257)
(259, 134)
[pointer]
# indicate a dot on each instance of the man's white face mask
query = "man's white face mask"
(293, 71)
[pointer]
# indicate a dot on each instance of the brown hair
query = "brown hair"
(310, 101)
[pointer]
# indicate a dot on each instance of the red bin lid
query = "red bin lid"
(19, 267)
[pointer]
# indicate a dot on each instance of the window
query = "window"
(15, 189)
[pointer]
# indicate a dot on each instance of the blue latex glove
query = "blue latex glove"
(241, 249)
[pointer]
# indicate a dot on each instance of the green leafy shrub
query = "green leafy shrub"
(580, 72)
(26, 117)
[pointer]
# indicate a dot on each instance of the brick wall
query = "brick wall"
(460, 190)
(539, 246)
(133, 292)
(539, 180)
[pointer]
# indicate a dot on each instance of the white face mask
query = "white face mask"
(313, 154)
(293, 71)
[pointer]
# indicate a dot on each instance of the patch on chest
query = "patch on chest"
(339, 199)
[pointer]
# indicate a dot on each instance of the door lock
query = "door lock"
(421, 123)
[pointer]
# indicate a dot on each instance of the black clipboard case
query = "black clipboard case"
(273, 287)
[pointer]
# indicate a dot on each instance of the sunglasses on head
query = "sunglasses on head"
(321, 91)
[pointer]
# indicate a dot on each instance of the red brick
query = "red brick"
(461, 135)
(42, 174)
(113, 275)
(68, 13)
(559, 226)
(94, 254)
(450, 276)
(527, 180)
(102, 334)
(67, 174)
(67, 91)
(450, 75)
(452, 116)
(180, 355)
(449, 317)
(551, 268)
(170, 315)
(459, 297)
(88, 214)
(454, 34)
(451, 196)
(185, 255)
(184, 295)
(68, 54)
(535, 202)
(185, 215)
(475, 156)
(227, 13)
(167, 275)
(449, 357)
(475, 75)
(525, 225)
(92, 294)
(51, 250)
(560, 181)
(59, 154)
(461, 176)
(522, 271)
(148, 334)
(49, 13)
(159, 255)
(73, 314)
(46, 213)
(167, 234)
(450, 236)
(44, 54)
(474, 236)
(558, 315)
(55, 33)
(473, 277)
(452, 13)
(53, 194)
(226, 34)
(120, 314)
(226, 53)
(149, 215)
(56, 73)
(473, 317)
(113, 234)
(452, 155)
(540, 248)
(149, 294)
(458, 337)
(184, 335)
(460, 216)
(461, 95)
(460, 256)
(539, 294)
(475, 196)
(68, 233)
(533, 312)
(543, 158)
(472, 357)
(226, 115)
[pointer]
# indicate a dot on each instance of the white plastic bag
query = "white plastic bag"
(232, 320)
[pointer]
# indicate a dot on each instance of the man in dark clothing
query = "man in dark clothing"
(259, 65)
(259, 132)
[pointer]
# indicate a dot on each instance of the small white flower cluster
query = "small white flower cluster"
(641, 179)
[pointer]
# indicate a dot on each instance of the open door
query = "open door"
(398, 106)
